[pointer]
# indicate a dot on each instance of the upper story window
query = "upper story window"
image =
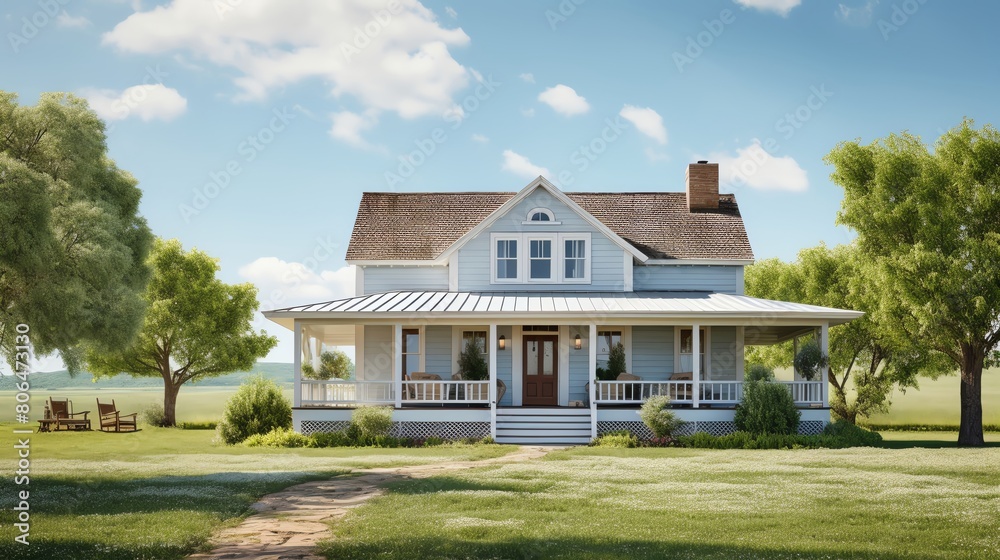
(540, 216)
(540, 258)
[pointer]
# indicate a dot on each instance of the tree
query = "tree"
(863, 355)
(333, 364)
(616, 361)
(196, 326)
(930, 223)
(472, 364)
(72, 244)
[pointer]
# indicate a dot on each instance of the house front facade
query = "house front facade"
(545, 283)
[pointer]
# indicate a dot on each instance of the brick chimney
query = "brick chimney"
(701, 181)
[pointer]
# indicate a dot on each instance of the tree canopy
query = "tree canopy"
(929, 222)
(195, 327)
(72, 244)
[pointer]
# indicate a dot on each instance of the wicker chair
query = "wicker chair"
(425, 391)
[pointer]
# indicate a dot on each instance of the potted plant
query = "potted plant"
(473, 367)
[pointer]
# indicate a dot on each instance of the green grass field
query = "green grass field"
(160, 493)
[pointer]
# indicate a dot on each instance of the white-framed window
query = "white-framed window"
(606, 340)
(411, 351)
(685, 355)
(540, 252)
(540, 258)
(479, 339)
(506, 263)
(539, 217)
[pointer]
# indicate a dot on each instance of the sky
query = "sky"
(253, 127)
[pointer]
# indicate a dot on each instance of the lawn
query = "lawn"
(159, 493)
(590, 503)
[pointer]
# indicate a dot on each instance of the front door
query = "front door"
(541, 369)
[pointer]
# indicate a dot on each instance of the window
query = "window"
(506, 260)
(685, 352)
(540, 259)
(411, 351)
(575, 259)
(538, 216)
(478, 338)
(606, 340)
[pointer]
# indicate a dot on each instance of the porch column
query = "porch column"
(492, 339)
(592, 375)
(696, 364)
(824, 348)
(795, 352)
(397, 363)
(297, 342)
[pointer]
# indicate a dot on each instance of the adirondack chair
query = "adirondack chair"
(62, 412)
(112, 418)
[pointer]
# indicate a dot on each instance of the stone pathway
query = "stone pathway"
(288, 524)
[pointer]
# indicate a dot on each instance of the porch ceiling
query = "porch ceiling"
(771, 321)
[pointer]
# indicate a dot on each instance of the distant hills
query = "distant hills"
(282, 374)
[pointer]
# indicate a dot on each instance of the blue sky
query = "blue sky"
(253, 127)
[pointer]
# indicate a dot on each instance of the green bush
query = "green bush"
(616, 361)
(620, 438)
(372, 422)
(810, 360)
(153, 415)
(333, 364)
(331, 439)
(257, 407)
(853, 436)
(767, 408)
(658, 418)
(472, 364)
(278, 437)
(746, 440)
(758, 372)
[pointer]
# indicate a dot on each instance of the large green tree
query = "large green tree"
(866, 361)
(196, 326)
(930, 223)
(72, 244)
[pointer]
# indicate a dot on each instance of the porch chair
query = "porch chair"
(629, 391)
(501, 386)
(425, 391)
(62, 412)
(675, 392)
(112, 418)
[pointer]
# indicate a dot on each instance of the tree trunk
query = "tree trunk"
(170, 404)
(970, 431)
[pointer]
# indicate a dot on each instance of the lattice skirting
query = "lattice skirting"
(443, 430)
(716, 428)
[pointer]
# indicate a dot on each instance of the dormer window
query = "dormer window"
(540, 216)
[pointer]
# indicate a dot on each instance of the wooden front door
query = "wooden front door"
(541, 369)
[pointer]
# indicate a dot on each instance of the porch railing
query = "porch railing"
(337, 392)
(446, 391)
(709, 392)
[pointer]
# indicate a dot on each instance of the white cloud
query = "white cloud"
(564, 99)
(451, 12)
(648, 121)
(754, 167)
(480, 138)
(527, 77)
(283, 284)
(348, 126)
(148, 102)
(402, 65)
(529, 112)
(66, 20)
(859, 16)
(781, 7)
(520, 165)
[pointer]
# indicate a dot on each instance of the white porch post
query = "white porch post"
(592, 375)
(696, 364)
(397, 363)
(824, 348)
(297, 342)
(492, 339)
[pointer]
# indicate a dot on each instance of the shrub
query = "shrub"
(371, 423)
(331, 439)
(197, 425)
(333, 364)
(278, 437)
(616, 361)
(621, 438)
(472, 364)
(257, 407)
(659, 419)
(153, 415)
(758, 372)
(767, 408)
(810, 360)
(853, 436)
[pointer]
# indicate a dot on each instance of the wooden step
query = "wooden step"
(544, 440)
(511, 432)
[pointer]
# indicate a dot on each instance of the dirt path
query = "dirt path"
(288, 524)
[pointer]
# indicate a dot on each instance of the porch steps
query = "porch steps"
(543, 426)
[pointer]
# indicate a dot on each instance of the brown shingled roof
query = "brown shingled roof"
(420, 226)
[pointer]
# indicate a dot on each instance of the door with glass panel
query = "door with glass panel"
(541, 370)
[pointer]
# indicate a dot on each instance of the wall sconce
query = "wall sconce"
(502, 343)
(578, 342)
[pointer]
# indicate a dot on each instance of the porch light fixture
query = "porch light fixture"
(578, 342)
(502, 343)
